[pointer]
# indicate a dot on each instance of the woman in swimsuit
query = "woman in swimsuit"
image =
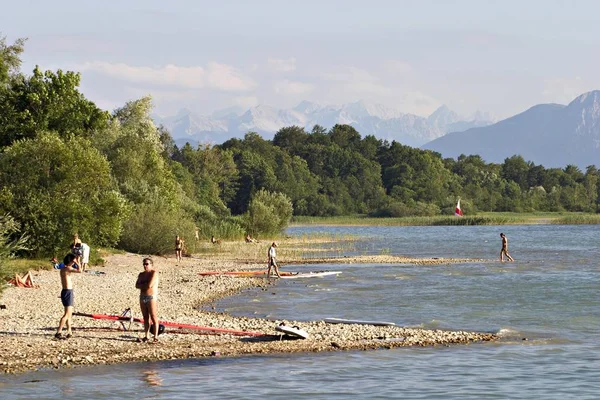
(178, 247)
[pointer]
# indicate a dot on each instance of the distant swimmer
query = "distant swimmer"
(504, 251)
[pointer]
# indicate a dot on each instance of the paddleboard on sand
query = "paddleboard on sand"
(243, 273)
(314, 274)
(357, 321)
(292, 331)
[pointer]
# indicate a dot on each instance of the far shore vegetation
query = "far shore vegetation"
(489, 218)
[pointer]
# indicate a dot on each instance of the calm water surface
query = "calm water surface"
(550, 297)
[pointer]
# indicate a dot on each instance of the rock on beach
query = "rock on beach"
(29, 321)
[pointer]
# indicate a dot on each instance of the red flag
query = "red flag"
(458, 211)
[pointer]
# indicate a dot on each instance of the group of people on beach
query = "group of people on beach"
(147, 283)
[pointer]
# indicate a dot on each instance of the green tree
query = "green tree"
(133, 147)
(10, 58)
(47, 101)
(54, 188)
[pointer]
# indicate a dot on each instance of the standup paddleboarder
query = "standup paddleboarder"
(147, 282)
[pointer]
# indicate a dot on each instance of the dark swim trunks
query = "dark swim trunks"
(67, 297)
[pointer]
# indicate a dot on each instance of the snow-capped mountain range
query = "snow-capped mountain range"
(368, 119)
(552, 135)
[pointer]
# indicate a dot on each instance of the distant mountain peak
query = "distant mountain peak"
(307, 107)
(367, 118)
(552, 135)
(587, 99)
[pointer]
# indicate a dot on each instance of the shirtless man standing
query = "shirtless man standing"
(147, 282)
(66, 295)
(504, 251)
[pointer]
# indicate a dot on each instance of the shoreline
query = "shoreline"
(28, 323)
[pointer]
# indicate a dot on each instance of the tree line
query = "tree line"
(121, 181)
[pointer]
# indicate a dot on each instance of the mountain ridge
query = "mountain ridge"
(552, 135)
(368, 119)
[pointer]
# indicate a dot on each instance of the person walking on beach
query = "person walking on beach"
(147, 282)
(272, 255)
(504, 251)
(66, 295)
(178, 248)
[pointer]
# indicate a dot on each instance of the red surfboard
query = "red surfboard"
(171, 324)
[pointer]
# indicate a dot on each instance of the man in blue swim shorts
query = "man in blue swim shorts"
(66, 295)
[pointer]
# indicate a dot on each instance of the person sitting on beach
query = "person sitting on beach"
(214, 240)
(66, 295)
(272, 255)
(147, 282)
(26, 281)
(250, 239)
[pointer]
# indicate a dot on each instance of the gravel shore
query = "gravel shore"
(30, 317)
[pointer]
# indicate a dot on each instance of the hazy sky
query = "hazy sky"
(496, 56)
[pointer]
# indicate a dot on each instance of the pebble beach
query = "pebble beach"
(29, 319)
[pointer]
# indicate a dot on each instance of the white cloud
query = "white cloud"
(280, 65)
(287, 87)
(214, 76)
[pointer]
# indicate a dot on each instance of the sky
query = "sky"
(500, 57)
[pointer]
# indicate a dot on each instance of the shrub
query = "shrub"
(152, 227)
(268, 213)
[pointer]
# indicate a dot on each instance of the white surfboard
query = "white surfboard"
(292, 331)
(314, 274)
(357, 321)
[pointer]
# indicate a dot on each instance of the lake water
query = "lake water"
(550, 296)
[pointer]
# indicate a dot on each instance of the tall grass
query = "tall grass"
(578, 219)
